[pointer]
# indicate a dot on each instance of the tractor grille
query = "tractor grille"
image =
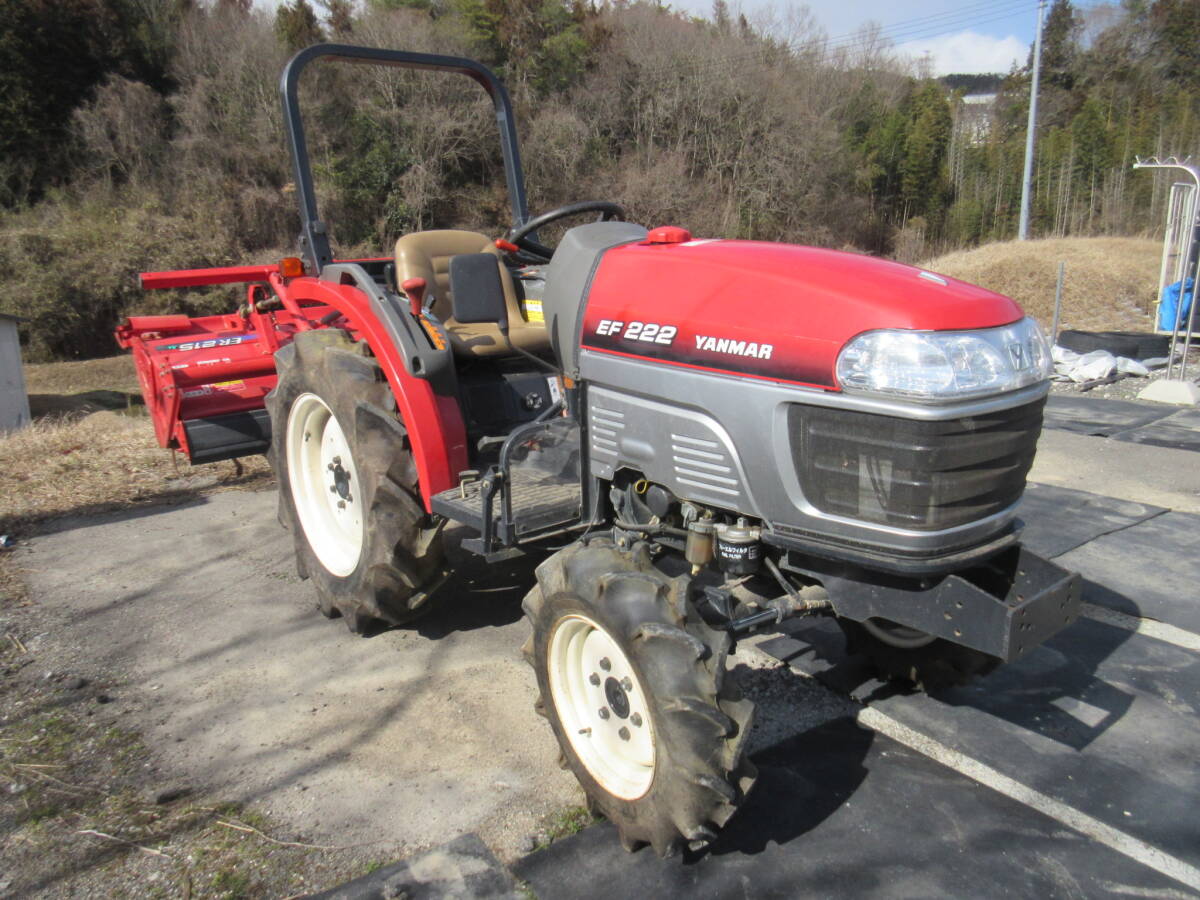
(911, 474)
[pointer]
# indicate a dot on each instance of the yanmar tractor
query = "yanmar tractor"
(724, 434)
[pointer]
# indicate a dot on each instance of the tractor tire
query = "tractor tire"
(634, 686)
(350, 501)
(902, 654)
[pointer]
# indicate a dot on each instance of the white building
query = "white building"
(974, 117)
(14, 402)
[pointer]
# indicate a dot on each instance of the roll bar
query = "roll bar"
(314, 236)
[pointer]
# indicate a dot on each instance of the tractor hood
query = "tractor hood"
(777, 311)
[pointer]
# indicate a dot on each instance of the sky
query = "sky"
(958, 35)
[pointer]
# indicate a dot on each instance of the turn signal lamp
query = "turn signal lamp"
(291, 267)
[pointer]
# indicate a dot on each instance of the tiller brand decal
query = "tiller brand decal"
(209, 343)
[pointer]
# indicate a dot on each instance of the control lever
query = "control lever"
(414, 289)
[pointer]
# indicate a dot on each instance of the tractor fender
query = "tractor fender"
(420, 375)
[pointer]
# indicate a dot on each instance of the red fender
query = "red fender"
(435, 424)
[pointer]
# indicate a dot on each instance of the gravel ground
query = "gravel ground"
(1128, 387)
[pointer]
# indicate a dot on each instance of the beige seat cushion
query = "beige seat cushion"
(426, 254)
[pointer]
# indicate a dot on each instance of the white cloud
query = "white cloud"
(968, 51)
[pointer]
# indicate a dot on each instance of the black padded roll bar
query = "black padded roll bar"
(314, 237)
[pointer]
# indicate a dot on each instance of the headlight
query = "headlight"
(945, 365)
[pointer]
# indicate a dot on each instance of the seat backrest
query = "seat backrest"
(427, 254)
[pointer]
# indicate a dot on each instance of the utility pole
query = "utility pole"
(1030, 128)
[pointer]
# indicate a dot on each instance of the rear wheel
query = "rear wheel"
(347, 484)
(633, 684)
(904, 654)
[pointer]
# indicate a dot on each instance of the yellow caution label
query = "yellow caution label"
(531, 309)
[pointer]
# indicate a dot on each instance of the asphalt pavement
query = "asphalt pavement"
(1071, 773)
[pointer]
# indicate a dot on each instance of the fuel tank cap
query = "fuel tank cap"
(668, 234)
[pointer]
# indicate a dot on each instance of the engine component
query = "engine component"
(699, 549)
(659, 499)
(738, 548)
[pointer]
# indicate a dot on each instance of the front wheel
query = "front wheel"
(907, 655)
(633, 684)
(347, 484)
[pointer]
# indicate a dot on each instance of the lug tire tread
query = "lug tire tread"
(402, 551)
(700, 722)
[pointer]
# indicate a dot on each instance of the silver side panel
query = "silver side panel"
(631, 428)
(681, 448)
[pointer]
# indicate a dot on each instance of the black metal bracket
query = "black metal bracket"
(314, 236)
(1005, 607)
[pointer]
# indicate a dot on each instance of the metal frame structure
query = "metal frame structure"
(314, 235)
(1179, 259)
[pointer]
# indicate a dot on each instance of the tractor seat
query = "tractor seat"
(427, 254)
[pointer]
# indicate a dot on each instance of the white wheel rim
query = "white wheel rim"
(325, 487)
(602, 706)
(899, 636)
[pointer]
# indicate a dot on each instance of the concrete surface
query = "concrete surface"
(411, 736)
(1141, 473)
(417, 736)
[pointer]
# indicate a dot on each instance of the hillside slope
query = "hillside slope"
(1109, 282)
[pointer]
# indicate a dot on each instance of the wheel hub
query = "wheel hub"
(341, 479)
(618, 700)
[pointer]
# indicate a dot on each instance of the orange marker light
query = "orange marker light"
(291, 267)
(506, 246)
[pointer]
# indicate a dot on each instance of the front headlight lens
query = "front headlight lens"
(945, 365)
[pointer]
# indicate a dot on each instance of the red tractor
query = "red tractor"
(725, 434)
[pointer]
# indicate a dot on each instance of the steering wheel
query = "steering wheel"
(520, 234)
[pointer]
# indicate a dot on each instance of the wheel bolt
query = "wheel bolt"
(333, 489)
(337, 460)
(604, 712)
(624, 733)
(594, 679)
(585, 731)
(330, 467)
(605, 664)
(636, 719)
(627, 683)
(341, 504)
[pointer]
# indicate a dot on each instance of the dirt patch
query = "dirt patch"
(99, 462)
(1109, 283)
(86, 811)
(215, 655)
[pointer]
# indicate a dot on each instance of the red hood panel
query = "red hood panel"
(778, 311)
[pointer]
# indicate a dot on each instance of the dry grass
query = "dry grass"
(58, 389)
(95, 463)
(92, 449)
(113, 373)
(1109, 282)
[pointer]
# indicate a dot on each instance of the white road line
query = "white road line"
(1158, 630)
(1113, 838)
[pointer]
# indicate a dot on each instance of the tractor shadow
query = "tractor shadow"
(477, 594)
(1058, 691)
(51, 406)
